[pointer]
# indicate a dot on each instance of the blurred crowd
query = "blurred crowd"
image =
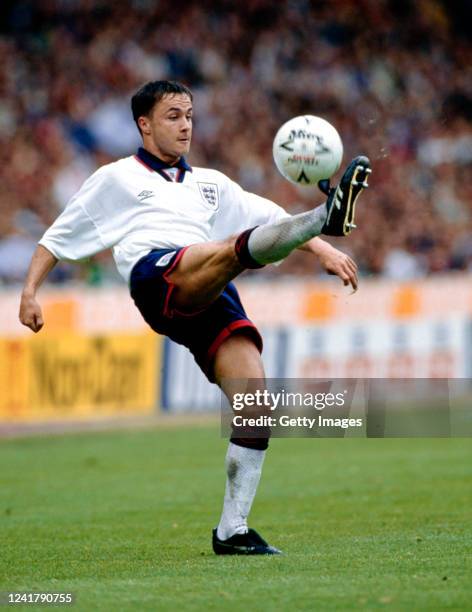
(394, 77)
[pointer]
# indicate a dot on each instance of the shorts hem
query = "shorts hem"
(242, 325)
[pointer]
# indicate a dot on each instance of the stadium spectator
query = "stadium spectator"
(393, 77)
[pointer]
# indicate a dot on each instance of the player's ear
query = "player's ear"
(144, 124)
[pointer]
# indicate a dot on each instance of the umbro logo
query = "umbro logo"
(144, 195)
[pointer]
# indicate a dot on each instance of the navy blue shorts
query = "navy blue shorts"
(201, 332)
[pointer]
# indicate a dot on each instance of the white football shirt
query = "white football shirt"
(129, 207)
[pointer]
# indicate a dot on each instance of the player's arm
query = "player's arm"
(73, 236)
(42, 262)
(333, 261)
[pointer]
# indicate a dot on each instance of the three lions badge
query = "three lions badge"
(209, 193)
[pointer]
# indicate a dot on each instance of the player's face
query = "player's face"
(167, 132)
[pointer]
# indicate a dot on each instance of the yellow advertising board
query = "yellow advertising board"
(14, 377)
(75, 376)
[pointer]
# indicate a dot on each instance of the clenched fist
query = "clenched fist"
(30, 312)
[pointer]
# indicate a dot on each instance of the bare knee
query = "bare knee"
(238, 358)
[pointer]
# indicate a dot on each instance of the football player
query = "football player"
(179, 236)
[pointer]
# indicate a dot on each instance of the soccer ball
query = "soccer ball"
(307, 149)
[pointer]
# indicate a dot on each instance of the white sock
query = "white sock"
(243, 468)
(274, 241)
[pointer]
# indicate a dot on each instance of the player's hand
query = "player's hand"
(338, 263)
(30, 312)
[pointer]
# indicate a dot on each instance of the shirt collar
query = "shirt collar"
(157, 164)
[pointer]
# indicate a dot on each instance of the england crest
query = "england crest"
(209, 193)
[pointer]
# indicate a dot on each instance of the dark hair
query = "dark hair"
(148, 95)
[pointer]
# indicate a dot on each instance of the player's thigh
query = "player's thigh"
(203, 272)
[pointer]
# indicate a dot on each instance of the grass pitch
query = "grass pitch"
(123, 520)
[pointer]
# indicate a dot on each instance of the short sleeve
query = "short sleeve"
(74, 235)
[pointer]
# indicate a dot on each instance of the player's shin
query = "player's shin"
(274, 241)
(243, 468)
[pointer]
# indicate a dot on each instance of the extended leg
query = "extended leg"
(205, 269)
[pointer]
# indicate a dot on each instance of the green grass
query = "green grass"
(123, 520)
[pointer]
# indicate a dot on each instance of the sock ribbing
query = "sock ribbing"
(274, 241)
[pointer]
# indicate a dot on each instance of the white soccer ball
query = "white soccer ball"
(307, 149)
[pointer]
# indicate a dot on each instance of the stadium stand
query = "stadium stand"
(393, 76)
